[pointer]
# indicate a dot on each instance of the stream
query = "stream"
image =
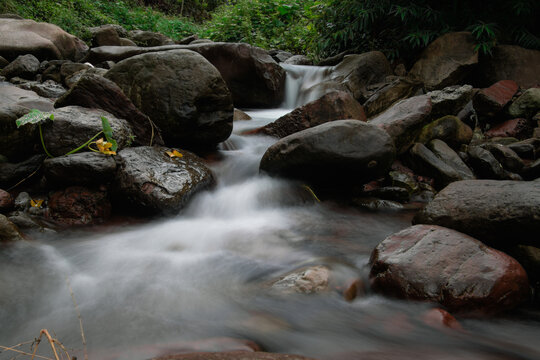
(144, 290)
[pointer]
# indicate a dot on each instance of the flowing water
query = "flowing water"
(149, 289)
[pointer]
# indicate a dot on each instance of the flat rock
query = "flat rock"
(152, 182)
(450, 100)
(337, 105)
(519, 128)
(489, 210)
(181, 92)
(433, 263)
(426, 163)
(342, 151)
(48, 89)
(390, 93)
(86, 168)
(490, 101)
(451, 158)
(43, 40)
(446, 61)
(404, 121)
(74, 125)
(95, 91)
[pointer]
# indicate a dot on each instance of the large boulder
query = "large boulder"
(24, 66)
(181, 92)
(446, 61)
(405, 120)
(338, 152)
(433, 263)
(510, 62)
(151, 181)
(43, 40)
(507, 212)
(337, 105)
(18, 143)
(95, 91)
(74, 125)
(253, 77)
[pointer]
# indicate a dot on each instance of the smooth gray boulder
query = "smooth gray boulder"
(152, 182)
(338, 152)
(85, 168)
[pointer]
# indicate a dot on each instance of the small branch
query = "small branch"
(24, 353)
(79, 316)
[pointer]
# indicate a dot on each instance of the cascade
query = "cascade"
(301, 84)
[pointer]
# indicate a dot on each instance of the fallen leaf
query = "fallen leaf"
(174, 153)
(104, 147)
(36, 203)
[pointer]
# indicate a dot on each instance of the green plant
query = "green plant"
(37, 117)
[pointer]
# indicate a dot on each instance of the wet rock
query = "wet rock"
(342, 151)
(527, 105)
(432, 263)
(506, 157)
(18, 144)
(450, 100)
(48, 89)
(8, 231)
(449, 129)
(181, 92)
(298, 60)
(390, 93)
(403, 180)
(356, 289)
(234, 355)
(12, 173)
(148, 38)
(25, 221)
(22, 201)
(239, 115)
(337, 105)
(252, 76)
(6, 201)
(74, 125)
(404, 121)
(446, 61)
(517, 128)
(451, 158)
(24, 66)
(491, 101)
(78, 205)
(439, 318)
(425, 162)
(306, 281)
(485, 165)
(87, 168)
(43, 40)
(94, 91)
(492, 211)
(510, 62)
(152, 182)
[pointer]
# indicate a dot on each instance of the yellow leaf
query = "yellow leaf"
(104, 146)
(36, 203)
(174, 153)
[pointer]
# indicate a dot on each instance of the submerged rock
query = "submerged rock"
(432, 263)
(338, 152)
(152, 182)
(506, 212)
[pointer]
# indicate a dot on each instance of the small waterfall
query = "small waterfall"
(301, 84)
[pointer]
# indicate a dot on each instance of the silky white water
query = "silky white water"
(149, 289)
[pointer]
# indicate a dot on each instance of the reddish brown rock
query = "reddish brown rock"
(404, 121)
(78, 205)
(356, 289)
(517, 128)
(446, 61)
(439, 318)
(432, 263)
(510, 62)
(337, 105)
(6, 201)
(234, 355)
(490, 101)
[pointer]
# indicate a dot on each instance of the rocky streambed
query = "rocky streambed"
(378, 213)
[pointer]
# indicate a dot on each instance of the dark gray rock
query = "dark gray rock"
(451, 158)
(152, 182)
(404, 121)
(181, 92)
(48, 89)
(505, 212)
(485, 165)
(506, 157)
(343, 151)
(532, 171)
(523, 149)
(86, 168)
(389, 93)
(12, 173)
(450, 100)
(24, 66)
(74, 125)
(148, 38)
(425, 163)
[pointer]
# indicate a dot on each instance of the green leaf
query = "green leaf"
(34, 117)
(108, 132)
